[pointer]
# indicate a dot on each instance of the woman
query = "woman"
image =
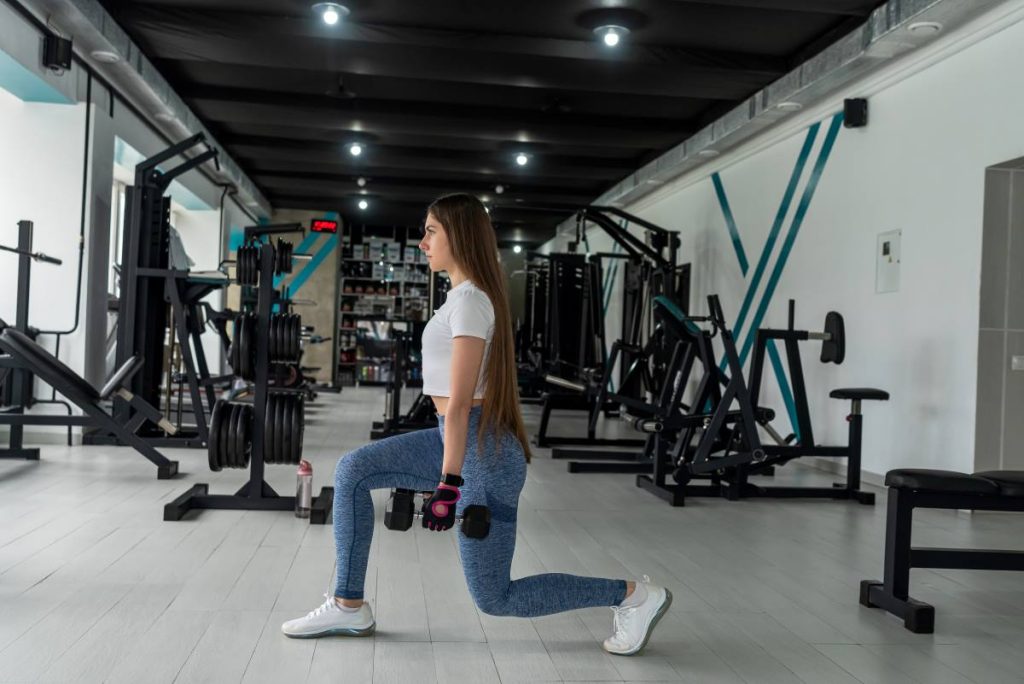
(477, 456)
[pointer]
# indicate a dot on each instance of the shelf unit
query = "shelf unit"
(383, 285)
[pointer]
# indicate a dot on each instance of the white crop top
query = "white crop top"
(466, 312)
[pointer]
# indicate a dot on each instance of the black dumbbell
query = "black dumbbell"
(401, 511)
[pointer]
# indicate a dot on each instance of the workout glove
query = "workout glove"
(439, 509)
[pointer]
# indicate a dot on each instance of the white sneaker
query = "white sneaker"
(330, 620)
(635, 624)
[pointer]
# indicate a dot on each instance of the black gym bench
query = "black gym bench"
(20, 351)
(994, 490)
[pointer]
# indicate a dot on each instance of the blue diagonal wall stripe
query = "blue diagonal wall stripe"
(730, 223)
(317, 259)
(773, 352)
(773, 234)
(798, 219)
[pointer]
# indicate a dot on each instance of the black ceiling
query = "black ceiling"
(442, 94)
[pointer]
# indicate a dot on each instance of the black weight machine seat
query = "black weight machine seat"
(910, 488)
(26, 353)
(859, 393)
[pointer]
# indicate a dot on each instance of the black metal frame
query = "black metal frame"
(147, 286)
(893, 593)
(660, 276)
(421, 415)
(256, 494)
(17, 386)
(732, 461)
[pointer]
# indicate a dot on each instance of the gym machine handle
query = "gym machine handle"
(38, 256)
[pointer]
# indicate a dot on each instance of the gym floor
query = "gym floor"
(95, 587)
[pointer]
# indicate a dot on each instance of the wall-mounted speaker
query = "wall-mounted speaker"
(855, 112)
(56, 52)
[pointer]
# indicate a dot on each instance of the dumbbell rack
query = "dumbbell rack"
(256, 494)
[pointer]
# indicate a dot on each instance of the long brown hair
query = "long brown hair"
(474, 247)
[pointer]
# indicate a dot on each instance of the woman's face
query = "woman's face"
(435, 245)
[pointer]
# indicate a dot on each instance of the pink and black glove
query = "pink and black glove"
(439, 509)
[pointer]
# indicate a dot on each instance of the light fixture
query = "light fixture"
(789, 106)
(361, 182)
(499, 189)
(708, 153)
(164, 115)
(611, 34)
(363, 204)
(522, 159)
(516, 249)
(105, 56)
(925, 28)
(355, 149)
(331, 12)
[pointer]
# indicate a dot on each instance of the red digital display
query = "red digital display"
(323, 226)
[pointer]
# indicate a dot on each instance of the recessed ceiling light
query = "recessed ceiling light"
(517, 249)
(363, 204)
(355, 149)
(499, 189)
(611, 34)
(789, 106)
(925, 28)
(105, 56)
(331, 12)
(361, 182)
(164, 115)
(707, 153)
(522, 159)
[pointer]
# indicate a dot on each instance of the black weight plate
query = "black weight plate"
(268, 429)
(299, 425)
(279, 430)
(247, 432)
(286, 355)
(280, 337)
(241, 437)
(230, 446)
(243, 348)
(246, 263)
(294, 338)
(286, 432)
(225, 431)
(213, 443)
(229, 442)
(249, 349)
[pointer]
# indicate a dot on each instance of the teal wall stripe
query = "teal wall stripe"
(313, 264)
(798, 219)
(808, 194)
(304, 247)
(773, 234)
(730, 223)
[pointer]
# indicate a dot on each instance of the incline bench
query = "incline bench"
(20, 351)
(994, 490)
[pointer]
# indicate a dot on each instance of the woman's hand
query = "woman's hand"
(439, 510)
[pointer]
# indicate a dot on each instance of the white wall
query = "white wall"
(41, 170)
(919, 166)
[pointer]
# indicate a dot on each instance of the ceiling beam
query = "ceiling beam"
(835, 7)
(228, 112)
(188, 35)
(370, 107)
(218, 24)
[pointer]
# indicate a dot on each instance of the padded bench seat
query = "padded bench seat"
(910, 488)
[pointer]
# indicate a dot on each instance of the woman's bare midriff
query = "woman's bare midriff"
(441, 404)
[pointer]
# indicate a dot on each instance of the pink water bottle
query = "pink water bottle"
(304, 489)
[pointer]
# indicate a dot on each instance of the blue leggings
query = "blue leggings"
(494, 473)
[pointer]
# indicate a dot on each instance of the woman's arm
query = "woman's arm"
(467, 357)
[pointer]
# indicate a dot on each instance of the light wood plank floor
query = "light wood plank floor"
(95, 587)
